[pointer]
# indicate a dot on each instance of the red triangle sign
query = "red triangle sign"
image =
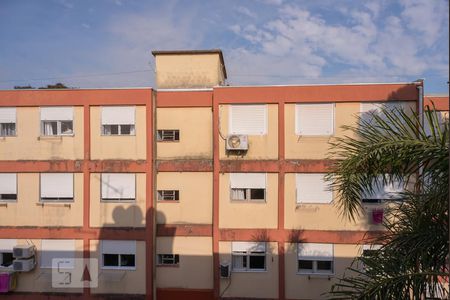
(86, 274)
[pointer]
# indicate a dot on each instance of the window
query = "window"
(168, 135)
(248, 119)
(314, 119)
(57, 187)
(6, 252)
(56, 121)
(118, 120)
(314, 258)
(168, 259)
(369, 250)
(7, 121)
(248, 256)
(169, 195)
(118, 254)
(369, 109)
(248, 186)
(57, 249)
(8, 187)
(118, 186)
(312, 188)
(383, 191)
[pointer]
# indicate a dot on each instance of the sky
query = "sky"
(108, 43)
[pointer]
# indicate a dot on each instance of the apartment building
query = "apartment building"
(192, 190)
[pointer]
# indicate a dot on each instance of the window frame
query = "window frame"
(377, 184)
(56, 199)
(119, 130)
(160, 260)
(161, 197)
(297, 126)
(5, 123)
(315, 261)
(102, 253)
(298, 190)
(17, 192)
(160, 135)
(248, 254)
(9, 267)
(118, 200)
(58, 128)
(247, 195)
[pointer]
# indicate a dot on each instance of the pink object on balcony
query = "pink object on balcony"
(377, 216)
(4, 282)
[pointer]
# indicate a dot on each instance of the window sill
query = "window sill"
(4, 137)
(303, 204)
(118, 201)
(54, 137)
(168, 201)
(315, 137)
(168, 141)
(119, 268)
(6, 203)
(249, 201)
(68, 205)
(317, 275)
(115, 135)
(248, 271)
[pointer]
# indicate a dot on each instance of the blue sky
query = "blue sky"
(107, 43)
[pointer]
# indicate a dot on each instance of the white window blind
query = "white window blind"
(51, 249)
(248, 119)
(56, 185)
(7, 245)
(57, 113)
(384, 191)
(118, 247)
(248, 180)
(316, 251)
(118, 115)
(118, 185)
(8, 183)
(248, 246)
(7, 115)
(314, 119)
(312, 188)
(371, 247)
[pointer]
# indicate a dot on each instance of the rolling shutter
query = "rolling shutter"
(118, 247)
(118, 185)
(118, 115)
(314, 119)
(8, 183)
(7, 115)
(312, 188)
(248, 246)
(51, 249)
(248, 180)
(56, 113)
(384, 191)
(248, 119)
(56, 185)
(315, 251)
(7, 245)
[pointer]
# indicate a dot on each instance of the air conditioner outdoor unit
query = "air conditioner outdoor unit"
(23, 265)
(237, 142)
(24, 251)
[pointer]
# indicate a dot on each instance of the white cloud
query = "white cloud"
(246, 12)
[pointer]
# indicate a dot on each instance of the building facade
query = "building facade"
(193, 190)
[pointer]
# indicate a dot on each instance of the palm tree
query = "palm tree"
(394, 145)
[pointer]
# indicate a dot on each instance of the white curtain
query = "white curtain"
(48, 128)
(238, 194)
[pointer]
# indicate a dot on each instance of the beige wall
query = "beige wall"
(120, 281)
(319, 216)
(195, 269)
(259, 284)
(188, 71)
(40, 279)
(195, 205)
(28, 144)
(28, 211)
(316, 147)
(195, 125)
(245, 214)
(117, 214)
(302, 287)
(259, 146)
(118, 146)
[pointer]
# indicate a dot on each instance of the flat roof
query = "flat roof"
(194, 52)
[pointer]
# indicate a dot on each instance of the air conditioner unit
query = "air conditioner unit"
(23, 265)
(225, 270)
(237, 142)
(24, 251)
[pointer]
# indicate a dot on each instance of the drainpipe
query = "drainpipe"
(419, 84)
